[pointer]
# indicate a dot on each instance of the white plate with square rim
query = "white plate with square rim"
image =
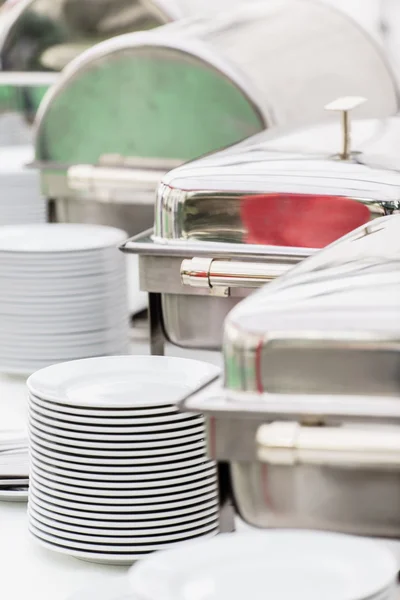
(121, 381)
(280, 564)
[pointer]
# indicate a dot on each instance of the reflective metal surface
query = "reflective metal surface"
(214, 83)
(283, 195)
(327, 327)
(308, 413)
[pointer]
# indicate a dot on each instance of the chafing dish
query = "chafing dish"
(189, 88)
(230, 222)
(308, 413)
(39, 37)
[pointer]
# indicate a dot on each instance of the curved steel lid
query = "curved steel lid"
(331, 325)
(287, 190)
(221, 79)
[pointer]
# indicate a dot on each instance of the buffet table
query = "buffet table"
(26, 569)
(29, 571)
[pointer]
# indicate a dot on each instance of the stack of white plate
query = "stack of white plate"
(283, 565)
(20, 198)
(62, 295)
(116, 472)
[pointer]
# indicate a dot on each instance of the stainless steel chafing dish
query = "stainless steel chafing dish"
(308, 413)
(39, 37)
(231, 222)
(189, 88)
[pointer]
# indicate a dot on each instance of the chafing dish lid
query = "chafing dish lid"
(278, 177)
(331, 325)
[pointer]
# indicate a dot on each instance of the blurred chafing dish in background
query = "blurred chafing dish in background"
(190, 88)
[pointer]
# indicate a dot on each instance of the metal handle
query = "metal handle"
(345, 105)
(213, 274)
(114, 184)
(291, 443)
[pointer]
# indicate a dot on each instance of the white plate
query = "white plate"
(123, 442)
(115, 513)
(115, 477)
(139, 528)
(112, 450)
(71, 489)
(117, 488)
(110, 548)
(118, 504)
(79, 284)
(178, 428)
(126, 460)
(145, 519)
(121, 382)
(61, 425)
(37, 354)
(132, 470)
(14, 495)
(272, 564)
(101, 558)
(83, 540)
(98, 417)
(59, 237)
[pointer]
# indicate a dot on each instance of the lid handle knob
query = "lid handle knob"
(344, 105)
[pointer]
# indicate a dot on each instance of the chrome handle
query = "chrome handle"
(215, 274)
(291, 443)
(344, 106)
